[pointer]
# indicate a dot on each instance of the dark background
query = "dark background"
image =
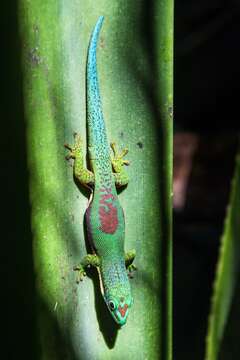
(206, 87)
(17, 279)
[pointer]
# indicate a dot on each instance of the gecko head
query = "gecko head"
(119, 307)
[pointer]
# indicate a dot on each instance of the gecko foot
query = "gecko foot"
(129, 258)
(131, 268)
(76, 148)
(117, 159)
(80, 273)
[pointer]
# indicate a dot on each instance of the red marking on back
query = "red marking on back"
(123, 310)
(108, 213)
(106, 197)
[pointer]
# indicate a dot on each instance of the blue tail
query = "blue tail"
(97, 138)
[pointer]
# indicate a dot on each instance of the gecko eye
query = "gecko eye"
(111, 305)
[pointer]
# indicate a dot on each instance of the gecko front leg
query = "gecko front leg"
(120, 175)
(82, 174)
(88, 260)
(129, 258)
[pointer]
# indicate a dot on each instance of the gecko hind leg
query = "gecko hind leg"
(120, 175)
(88, 260)
(81, 173)
(129, 258)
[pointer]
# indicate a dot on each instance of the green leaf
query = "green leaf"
(227, 271)
(135, 76)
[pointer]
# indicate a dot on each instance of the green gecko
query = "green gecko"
(104, 215)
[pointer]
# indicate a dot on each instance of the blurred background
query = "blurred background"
(206, 87)
(17, 279)
(207, 123)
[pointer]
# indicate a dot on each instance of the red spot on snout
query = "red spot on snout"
(123, 310)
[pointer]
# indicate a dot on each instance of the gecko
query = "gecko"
(105, 222)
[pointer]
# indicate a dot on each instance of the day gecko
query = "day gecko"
(104, 215)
